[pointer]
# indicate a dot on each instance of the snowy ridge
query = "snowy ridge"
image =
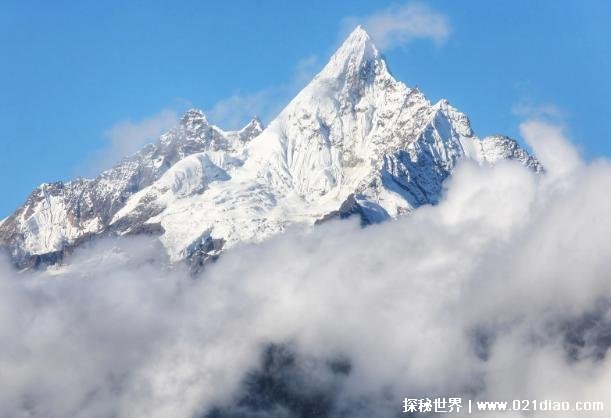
(354, 140)
(60, 215)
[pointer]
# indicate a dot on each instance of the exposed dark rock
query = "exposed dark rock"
(286, 385)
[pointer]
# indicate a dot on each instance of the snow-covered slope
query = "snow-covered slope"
(60, 215)
(354, 140)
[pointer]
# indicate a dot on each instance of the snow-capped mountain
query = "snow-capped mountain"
(354, 140)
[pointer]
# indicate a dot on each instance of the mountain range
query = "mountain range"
(354, 141)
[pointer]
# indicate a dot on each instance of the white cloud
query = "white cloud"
(499, 292)
(398, 25)
(305, 70)
(531, 110)
(236, 110)
(549, 143)
(127, 137)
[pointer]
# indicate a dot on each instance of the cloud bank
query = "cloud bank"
(401, 24)
(499, 292)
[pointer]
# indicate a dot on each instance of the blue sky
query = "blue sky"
(79, 79)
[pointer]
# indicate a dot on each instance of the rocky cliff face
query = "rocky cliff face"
(354, 141)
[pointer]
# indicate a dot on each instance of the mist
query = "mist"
(499, 292)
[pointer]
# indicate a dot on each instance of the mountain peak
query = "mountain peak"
(255, 123)
(356, 50)
(192, 116)
(194, 121)
(251, 129)
(358, 34)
